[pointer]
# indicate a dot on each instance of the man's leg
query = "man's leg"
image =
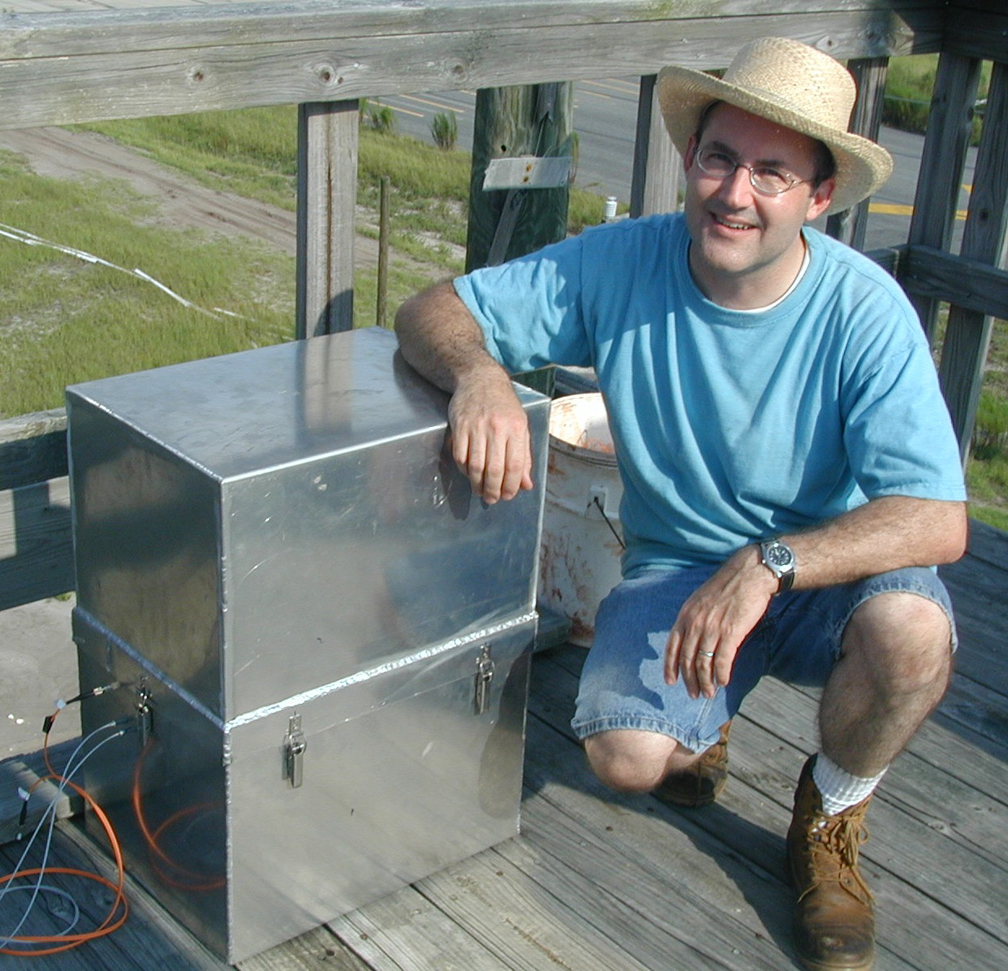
(637, 729)
(895, 663)
(893, 670)
(631, 760)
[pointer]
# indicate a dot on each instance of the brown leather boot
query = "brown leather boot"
(834, 924)
(702, 782)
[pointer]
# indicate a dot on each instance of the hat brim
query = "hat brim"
(862, 166)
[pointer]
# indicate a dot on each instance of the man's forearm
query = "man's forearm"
(440, 339)
(884, 534)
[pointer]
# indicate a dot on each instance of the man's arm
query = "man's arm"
(490, 435)
(884, 534)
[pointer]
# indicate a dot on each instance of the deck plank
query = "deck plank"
(601, 880)
(907, 863)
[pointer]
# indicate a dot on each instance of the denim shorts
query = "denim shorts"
(798, 640)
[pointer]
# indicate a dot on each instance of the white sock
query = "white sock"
(839, 789)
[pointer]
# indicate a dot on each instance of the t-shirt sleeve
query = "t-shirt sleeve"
(898, 432)
(530, 309)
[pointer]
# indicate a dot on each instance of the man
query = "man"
(788, 464)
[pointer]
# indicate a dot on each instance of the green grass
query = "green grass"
(909, 83)
(64, 320)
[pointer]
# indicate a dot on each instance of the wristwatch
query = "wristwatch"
(779, 559)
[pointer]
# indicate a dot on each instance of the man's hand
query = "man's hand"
(714, 622)
(490, 435)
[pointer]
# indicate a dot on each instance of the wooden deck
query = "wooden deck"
(614, 883)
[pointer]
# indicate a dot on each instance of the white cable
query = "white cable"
(50, 813)
(30, 239)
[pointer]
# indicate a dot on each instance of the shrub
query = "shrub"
(444, 130)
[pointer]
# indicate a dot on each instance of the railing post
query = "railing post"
(967, 337)
(942, 162)
(523, 120)
(326, 197)
(656, 164)
(870, 74)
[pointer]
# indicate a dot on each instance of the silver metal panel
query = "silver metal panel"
(321, 639)
(402, 775)
(261, 523)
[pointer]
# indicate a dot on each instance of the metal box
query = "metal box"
(319, 638)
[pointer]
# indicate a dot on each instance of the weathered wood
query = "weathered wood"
(942, 163)
(32, 448)
(200, 58)
(958, 280)
(327, 196)
(407, 932)
(656, 166)
(534, 120)
(36, 546)
(776, 731)
(967, 338)
(866, 119)
(977, 28)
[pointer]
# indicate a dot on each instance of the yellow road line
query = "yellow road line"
(433, 104)
(899, 209)
(406, 111)
(629, 89)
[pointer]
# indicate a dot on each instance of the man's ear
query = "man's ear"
(820, 199)
(690, 153)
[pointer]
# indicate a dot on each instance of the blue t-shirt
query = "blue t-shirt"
(729, 426)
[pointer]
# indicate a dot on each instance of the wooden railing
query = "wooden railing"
(63, 66)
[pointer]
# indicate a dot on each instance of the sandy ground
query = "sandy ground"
(37, 656)
(182, 202)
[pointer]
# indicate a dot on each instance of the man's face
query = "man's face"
(745, 246)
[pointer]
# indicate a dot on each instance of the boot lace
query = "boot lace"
(834, 844)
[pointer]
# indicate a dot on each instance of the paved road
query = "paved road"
(605, 118)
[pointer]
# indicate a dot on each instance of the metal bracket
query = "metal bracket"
(144, 713)
(484, 676)
(295, 745)
(528, 172)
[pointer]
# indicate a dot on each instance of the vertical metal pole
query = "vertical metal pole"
(383, 252)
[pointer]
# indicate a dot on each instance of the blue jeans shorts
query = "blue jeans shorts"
(798, 640)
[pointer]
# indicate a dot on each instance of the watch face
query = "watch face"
(779, 556)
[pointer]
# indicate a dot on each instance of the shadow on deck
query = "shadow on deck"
(603, 881)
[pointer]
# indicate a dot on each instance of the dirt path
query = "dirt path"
(182, 202)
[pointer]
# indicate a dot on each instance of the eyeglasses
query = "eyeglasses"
(765, 179)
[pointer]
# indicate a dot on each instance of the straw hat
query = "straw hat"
(793, 85)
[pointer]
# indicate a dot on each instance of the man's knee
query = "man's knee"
(905, 640)
(630, 760)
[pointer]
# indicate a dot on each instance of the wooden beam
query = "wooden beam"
(36, 544)
(967, 337)
(139, 62)
(942, 163)
(327, 197)
(870, 75)
(966, 283)
(977, 28)
(657, 164)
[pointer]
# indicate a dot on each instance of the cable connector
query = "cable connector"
(25, 796)
(47, 724)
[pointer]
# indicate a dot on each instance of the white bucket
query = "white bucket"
(581, 536)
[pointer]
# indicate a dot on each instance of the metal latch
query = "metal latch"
(295, 745)
(144, 713)
(484, 675)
